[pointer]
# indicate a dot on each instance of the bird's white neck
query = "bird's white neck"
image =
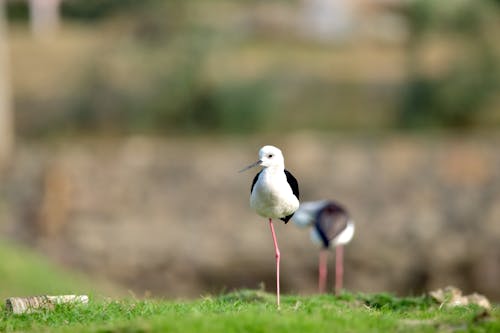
(274, 169)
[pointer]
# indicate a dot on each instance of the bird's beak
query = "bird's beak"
(259, 162)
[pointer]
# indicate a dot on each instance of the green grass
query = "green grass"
(255, 311)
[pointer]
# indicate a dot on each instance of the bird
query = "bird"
(274, 194)
(332, 226)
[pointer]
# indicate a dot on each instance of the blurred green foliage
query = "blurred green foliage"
(177, 101)
(90, 10)
(17, 11)
(167, 46)
(455, 97)
(178, 97)
(85, 10)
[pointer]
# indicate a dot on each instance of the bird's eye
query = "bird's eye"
(270, 155)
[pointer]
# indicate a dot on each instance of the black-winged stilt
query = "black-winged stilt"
(274, 194)
(331, 227)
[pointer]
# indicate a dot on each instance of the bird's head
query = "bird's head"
(269, 156)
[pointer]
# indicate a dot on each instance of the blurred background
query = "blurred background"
(123, 124)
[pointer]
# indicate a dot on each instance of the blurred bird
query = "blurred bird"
(331, 227)
(274, 194)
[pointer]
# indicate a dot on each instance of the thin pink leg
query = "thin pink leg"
(277, 251)
(339, 268)
(323, 253)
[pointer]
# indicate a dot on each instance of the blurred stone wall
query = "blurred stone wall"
(171, 216)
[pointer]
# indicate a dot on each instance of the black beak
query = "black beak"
(259, 162)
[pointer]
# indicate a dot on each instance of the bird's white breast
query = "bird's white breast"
(272, 196)
(346, 235)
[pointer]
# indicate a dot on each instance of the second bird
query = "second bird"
(331, 227)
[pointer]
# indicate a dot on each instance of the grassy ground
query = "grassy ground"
(255, 311)
(25, 273)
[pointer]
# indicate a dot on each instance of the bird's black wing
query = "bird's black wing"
(255, 181)
(293, 183)
(331, 221)
(295, 189)
(286, 218)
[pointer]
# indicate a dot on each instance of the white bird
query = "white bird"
(274, 194)
(331, 227)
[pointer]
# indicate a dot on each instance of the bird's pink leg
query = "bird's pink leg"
(277, 251)
(323, 253)
(339, 268)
